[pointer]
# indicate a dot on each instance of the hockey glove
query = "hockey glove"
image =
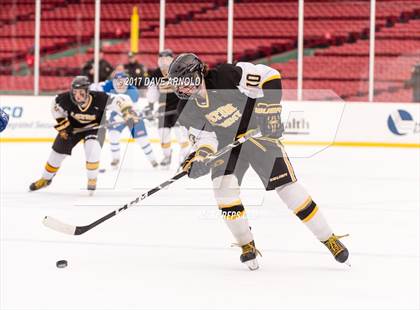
(269, 120)
(148, 112)
(64, 128)
(130, 116)
(195, 163)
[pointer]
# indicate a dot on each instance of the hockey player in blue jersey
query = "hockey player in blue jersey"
(118, 86)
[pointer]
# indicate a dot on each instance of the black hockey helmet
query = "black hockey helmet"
(80, 82)
(186, 75)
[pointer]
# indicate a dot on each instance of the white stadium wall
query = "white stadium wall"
(307, 123)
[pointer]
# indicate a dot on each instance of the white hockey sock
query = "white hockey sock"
(165, 141)
(147, 147)
(298, 200)
(52, 165)
(93, 154)
(114, 141)
(182, 137)
(226, 192)
(237, 222)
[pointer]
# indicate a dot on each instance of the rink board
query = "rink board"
(307, 123)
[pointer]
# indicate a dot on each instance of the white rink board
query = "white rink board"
(316, 123)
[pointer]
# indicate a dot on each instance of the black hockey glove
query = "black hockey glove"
(269, 120)
(130, 117)
(64, 128)
(195, 163)
(148, 112)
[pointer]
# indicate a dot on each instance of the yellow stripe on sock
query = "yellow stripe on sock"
(92, 166)
(230, 205)
(311, 215)
(50, 168)
(185, 144)
(303, 205)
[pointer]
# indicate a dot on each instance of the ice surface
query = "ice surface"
(174, 251)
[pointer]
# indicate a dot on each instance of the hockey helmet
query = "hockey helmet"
(186, 75)
(79, 90)
(120, 82)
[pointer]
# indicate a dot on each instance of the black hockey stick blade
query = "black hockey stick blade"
(68, 229)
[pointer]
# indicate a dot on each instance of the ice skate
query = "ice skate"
(166, 161)
(340, 252)
(249, 255)
(91, 186)
(41, 183)
(154, 163)
(115, 163)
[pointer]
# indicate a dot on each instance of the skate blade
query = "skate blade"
(252, 264)
(91, 192)
(347, 262)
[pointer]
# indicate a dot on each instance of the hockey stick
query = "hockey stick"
(59, 226)
(84, 129)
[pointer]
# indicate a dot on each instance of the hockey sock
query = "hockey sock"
(114, 140)
(93, 154)
(147, 147)
(52, 165)
(298, 200)
(226, 192)
(165, 141)
(182, 137)
(237, 222)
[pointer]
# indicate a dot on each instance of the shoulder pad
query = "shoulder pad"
(254, 77)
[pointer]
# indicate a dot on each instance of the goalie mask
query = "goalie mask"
(120, 82)
(79, 90)
(186, 75)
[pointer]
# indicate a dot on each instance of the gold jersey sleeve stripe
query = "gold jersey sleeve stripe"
(273, 77)
(258, 144)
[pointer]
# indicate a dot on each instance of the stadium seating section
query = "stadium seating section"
(336, 40)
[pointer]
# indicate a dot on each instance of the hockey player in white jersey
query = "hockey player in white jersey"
(118, 87)
(221, 105)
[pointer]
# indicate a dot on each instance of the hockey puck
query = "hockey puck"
(61, 264)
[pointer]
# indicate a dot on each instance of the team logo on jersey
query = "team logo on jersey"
(224, 116)
(83, 118)
(401, 123)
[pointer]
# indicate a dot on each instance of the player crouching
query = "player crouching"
(76, 111)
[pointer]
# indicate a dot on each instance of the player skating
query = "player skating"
(118, 86)
(76, 109)
(223, 104)
(160, 91)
